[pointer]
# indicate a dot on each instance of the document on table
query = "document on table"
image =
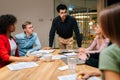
(46, 51)
(74, 77)
(70, 54)
(93, 78)
(58, 56)
(40, 52)
(63, 67)
(22, 65)
(68, 77)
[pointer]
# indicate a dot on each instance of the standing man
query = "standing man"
(27, 41)
(64, 25)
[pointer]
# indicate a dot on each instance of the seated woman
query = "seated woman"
(110, 57)
(99, 43)
(8, 46)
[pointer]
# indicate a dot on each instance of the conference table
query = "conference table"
(45, 70)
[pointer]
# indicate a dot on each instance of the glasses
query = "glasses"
(63, 12)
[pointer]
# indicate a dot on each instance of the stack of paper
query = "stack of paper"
(40, 52)
(21, 65)
(74, 77)
(70, 54)
(58, 56)
(93, 78)
(68, 77)
(63, 67)
(46, 51)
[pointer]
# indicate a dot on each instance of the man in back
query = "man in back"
(64, 25)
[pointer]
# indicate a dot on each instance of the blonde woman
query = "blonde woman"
(109, 57)
(93, 51)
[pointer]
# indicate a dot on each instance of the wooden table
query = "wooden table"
(45, 71)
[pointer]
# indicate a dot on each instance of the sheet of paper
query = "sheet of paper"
(35, 53)
(93, 78)
(63, 67)
(68, 77)
(58, 56)
(40, 52)
(74, 77)
(70, 54)
(43, 51)
(21, 65)
(46, 51)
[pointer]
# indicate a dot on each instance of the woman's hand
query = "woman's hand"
(81, 50)
(82, 54)
(84, 75)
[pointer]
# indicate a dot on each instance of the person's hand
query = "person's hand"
(81, 50)
(84, 75)
(31, 58)
(46, 48)
(82, 54)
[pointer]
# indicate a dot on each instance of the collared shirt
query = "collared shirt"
(26, 44)
(64, 29)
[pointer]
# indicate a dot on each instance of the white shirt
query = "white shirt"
(13, 46)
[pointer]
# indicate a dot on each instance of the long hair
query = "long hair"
(109, 20)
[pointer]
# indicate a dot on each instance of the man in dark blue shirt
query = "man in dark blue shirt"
(64, 25)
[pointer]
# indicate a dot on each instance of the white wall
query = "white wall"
(39, 12)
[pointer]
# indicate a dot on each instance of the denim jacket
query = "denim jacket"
(26, 44)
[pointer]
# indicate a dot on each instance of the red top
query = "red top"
(5, 50)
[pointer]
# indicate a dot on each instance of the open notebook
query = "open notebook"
(40, 52)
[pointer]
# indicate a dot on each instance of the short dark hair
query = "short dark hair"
(26, 23)
(61, 6)
(109, 20)
(6, 21)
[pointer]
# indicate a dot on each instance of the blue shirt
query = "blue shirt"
(26, 44)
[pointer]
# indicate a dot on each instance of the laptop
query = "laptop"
(64, 51)
(64, 59)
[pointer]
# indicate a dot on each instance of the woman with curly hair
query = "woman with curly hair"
(8, 46)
